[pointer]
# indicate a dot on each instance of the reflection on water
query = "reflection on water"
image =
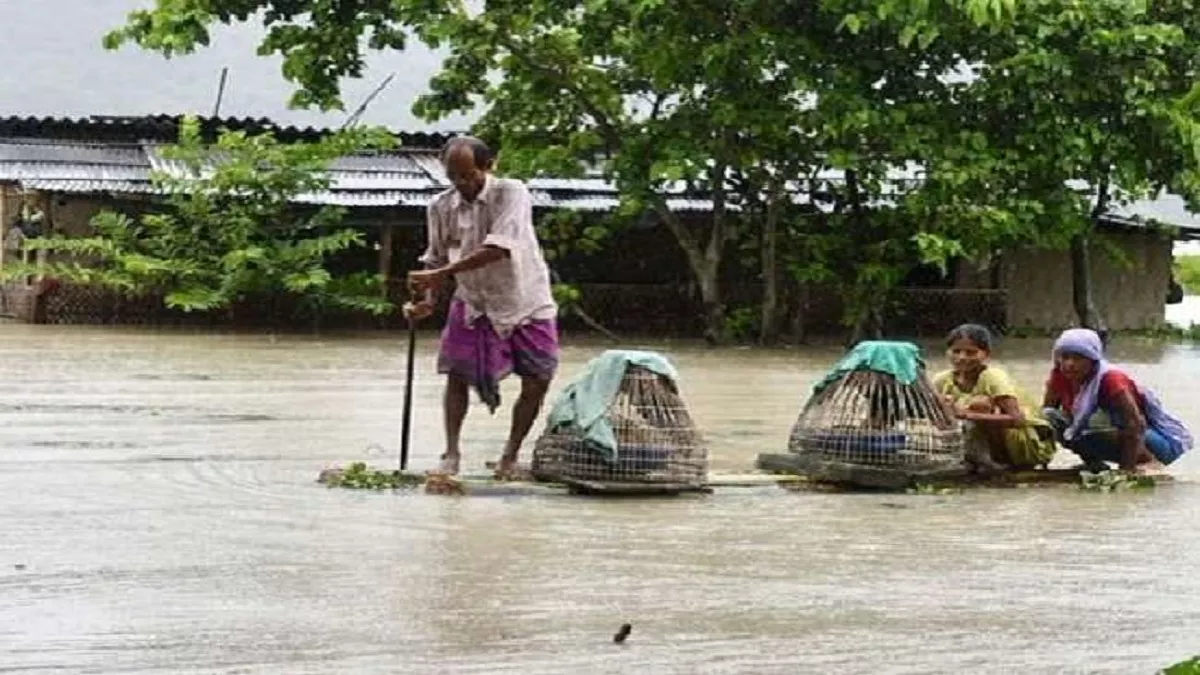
(157, 489)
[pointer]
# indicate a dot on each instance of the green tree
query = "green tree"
(656, 95)
(229, 226)
(1187, 273)
(1075, 108)
(744, 103)
(880, 105)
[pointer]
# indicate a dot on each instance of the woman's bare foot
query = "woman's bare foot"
(988, 467)
(980, 459)
(448, 465)
(1151, 468)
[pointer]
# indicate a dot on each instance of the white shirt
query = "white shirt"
(510, 291)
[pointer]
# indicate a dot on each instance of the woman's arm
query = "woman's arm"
(948, 412)
(1050, 398)
(1010, 414)
(1132, 433)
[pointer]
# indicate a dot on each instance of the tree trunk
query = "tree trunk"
(705, 261)
(1081, 270)
(768, 332)
(386, 249)
(799, 323)
(1081, 281)
(713, 302)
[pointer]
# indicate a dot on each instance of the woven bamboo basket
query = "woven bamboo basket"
(657, 441)
(868, 418)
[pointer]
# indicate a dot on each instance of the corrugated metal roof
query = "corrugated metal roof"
(391, 162)
(607, 203)
(73, 153)
(409, 178)
(71, 161)
(89, 186)
(380, 180)
(382, 198)
(432, 166)
(165, 128)
(572, 184)
(55, 171)
(381, 172)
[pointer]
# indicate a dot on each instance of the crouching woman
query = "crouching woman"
(1104, 416)
(1003, 431)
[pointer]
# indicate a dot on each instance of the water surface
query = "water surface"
(159, 515)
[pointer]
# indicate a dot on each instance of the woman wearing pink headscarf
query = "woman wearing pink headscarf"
(1084, 389)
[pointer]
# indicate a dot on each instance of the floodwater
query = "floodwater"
(158, 514)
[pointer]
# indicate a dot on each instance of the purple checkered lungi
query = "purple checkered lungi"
(482, 357)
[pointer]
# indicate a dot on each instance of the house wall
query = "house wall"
(71, 215)
(640, 281)
(1129, 295)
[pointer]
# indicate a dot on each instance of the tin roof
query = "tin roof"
(165, 129)
(88, 186)
(116, 155)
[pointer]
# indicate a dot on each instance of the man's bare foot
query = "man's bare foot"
(506, 468)
(443, 484)
(448, 465)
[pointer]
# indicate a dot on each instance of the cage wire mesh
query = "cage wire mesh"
(871, 418)
(657, 442)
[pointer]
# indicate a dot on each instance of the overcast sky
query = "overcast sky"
(54, 65)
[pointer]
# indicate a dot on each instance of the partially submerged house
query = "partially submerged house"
(55, 174)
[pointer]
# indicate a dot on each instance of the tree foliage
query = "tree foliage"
(1187, 273)
(228, 226)
(1024, 120)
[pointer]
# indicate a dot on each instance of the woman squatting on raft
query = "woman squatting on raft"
(1003, 430)
(1101, 414)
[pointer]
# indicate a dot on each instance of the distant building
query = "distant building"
(55, 174)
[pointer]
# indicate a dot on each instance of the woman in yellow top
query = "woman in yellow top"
(1002, 429)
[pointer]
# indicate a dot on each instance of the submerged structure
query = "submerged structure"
(621, 423)
(876, 420)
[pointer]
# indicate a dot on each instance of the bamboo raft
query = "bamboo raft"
(848, 477)
(777, 473)
(484, 484)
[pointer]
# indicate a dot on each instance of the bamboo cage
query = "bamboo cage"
(657, 441)
(869, 418)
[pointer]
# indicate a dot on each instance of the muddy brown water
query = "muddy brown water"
(158, 515)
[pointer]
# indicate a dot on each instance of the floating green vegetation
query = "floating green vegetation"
(358, 476)
(1189, 667)
(1111, 481)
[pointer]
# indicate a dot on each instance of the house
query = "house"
(57, 173)
(61, 172)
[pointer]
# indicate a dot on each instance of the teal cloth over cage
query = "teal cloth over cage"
(901, 360)
(583, 404)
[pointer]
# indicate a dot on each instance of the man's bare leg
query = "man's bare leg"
(455, 401)
(524, 414)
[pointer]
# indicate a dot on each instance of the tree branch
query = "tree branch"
(656, 108)
(687, 241)
(718, 235)
(608, 131)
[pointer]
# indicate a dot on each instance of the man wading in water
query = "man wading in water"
(502, 317)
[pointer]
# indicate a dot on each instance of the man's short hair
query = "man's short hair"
(480, 150)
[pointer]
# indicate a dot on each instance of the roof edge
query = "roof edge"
(165, 128)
